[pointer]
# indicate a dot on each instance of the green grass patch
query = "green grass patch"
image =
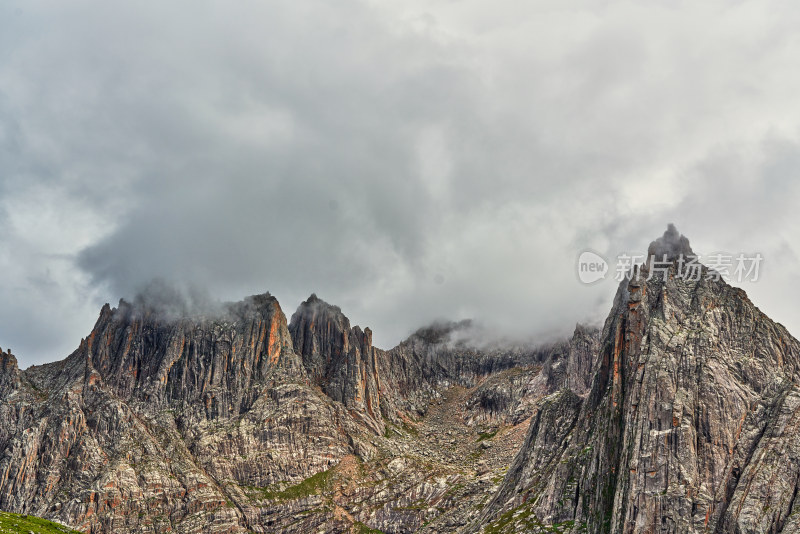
(313, 485)
(361, 528)
(410, 429)
(474, 456)
(22, 524)
(486, 435)
(522, 519)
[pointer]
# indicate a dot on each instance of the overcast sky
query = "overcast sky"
(405, 160)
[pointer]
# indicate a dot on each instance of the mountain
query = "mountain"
(233, 420)
(680, 415)
(691, 423)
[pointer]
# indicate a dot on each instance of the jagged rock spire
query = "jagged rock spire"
(339, 358)
(672, 244)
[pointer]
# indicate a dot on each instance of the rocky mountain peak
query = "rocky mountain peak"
(8, 362)
(682, 415)
(340, 359)
(9, 371)
(672, 245)
(314, 307)
(321, 335)
(168, 352)
(694, 388)
(442, 331)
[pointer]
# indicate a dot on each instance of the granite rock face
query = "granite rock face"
(690, 424)
(233, 420)
(444, 355)
(9, 371)
(157, 424)
(681, 415)
(338, 358)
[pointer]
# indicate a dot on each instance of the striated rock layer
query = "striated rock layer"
(156, 424)
(236, 421)
(340, 359)
(682, 415)
(690, 424)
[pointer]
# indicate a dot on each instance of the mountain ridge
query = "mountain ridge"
(691, 376)
(162, 421)
(679, 415)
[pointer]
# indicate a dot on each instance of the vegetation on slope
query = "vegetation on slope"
(24, 524)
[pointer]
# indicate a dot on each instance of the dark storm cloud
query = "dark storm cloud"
(406, 161)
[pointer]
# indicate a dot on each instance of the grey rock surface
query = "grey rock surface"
(689, 426)
(235, 421)
(682, 415)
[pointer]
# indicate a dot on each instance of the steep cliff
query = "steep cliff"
(9, 371)
(690, 424)
(228, 419)
(680, 416)
(159, 423)
(340, 359)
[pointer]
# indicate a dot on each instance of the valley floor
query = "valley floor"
(429, 475)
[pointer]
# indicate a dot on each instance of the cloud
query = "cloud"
(406, 160)
(670, 245)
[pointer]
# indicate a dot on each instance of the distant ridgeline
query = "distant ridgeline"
(680, 415)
